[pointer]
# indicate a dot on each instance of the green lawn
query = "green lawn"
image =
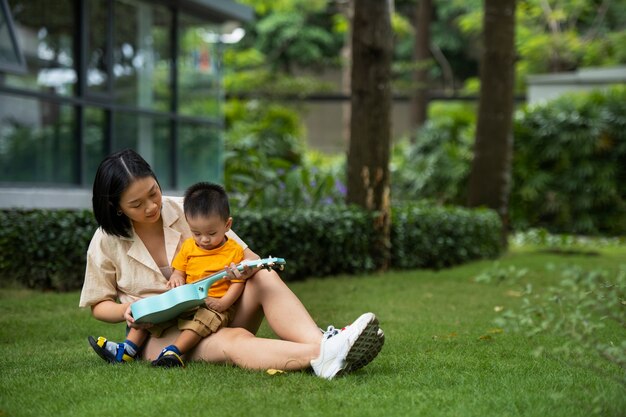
(444, 355)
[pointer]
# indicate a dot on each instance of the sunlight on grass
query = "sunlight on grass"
(444, 354)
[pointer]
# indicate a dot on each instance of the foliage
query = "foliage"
(569, 165)
(436, 166)
(585, 306)
(46, 248)
(555, 35)
(294, 35)
(287, 38)
(425, 236)
(265, 165)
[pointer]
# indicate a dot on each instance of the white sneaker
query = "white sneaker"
(337, 344)
(367, 347)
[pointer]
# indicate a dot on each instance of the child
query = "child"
(207, 212)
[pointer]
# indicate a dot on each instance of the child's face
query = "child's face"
(209, 231)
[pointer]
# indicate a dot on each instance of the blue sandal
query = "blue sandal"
(99, 347)
(169, 358)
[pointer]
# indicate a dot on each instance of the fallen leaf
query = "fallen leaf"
(275, 372)
(512, 293)
(485, 337)
(495, 330)
(498, 309)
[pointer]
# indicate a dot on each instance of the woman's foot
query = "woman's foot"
(365, 350)
(348, 348)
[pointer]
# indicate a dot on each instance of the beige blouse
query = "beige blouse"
(122, 269)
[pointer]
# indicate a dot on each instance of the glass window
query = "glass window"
(141, 55)
(198, 68)
(97, 76)
(94, 141)
(150, 136)
(37, 144)
(44, 32)
(11, 58)
(199, 154)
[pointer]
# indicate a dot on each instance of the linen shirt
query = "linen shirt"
(120, 268)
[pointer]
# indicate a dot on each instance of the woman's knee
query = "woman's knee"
(263, 280)
(218, 347)
(234, 334)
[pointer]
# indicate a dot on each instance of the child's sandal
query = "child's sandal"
(99, 347)
(168, 358)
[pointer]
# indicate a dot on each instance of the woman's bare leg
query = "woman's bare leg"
(267, 294)
(240, 347)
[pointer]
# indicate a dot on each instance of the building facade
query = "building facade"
(80, 79)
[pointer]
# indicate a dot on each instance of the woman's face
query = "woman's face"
(141, 201)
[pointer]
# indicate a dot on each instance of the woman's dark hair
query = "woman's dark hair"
(205, 199)
(115, 173)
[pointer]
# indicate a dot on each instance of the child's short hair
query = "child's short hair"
(206, 199)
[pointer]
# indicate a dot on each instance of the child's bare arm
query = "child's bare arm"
(224, 303)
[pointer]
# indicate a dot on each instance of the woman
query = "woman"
(129, 258)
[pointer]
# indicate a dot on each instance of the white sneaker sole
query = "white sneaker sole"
(367, 346)
(351, 337)
(362, 353)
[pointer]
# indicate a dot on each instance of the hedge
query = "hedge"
(45, 249)
(436, 237)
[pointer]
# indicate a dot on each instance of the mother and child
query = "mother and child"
(148, 243)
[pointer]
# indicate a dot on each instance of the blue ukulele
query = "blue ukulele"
(166, 306)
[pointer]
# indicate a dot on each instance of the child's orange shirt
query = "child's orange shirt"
(198, 263)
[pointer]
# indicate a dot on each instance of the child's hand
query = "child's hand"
(175, 281)
(130, 320)
(216, 304)
(235, 273)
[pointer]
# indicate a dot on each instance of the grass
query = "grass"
(443, 355)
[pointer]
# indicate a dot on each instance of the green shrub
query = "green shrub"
(437, 165)
(425, 236)
(569, 165)
(46, 249)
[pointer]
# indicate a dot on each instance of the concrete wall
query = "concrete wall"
(544, 87)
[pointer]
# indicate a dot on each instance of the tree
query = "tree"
(421, 50)
(490, 174)
(370, 126)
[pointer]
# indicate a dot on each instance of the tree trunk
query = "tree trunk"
(421, 56)
(490, 175)
(346, 71)
(370, 126)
